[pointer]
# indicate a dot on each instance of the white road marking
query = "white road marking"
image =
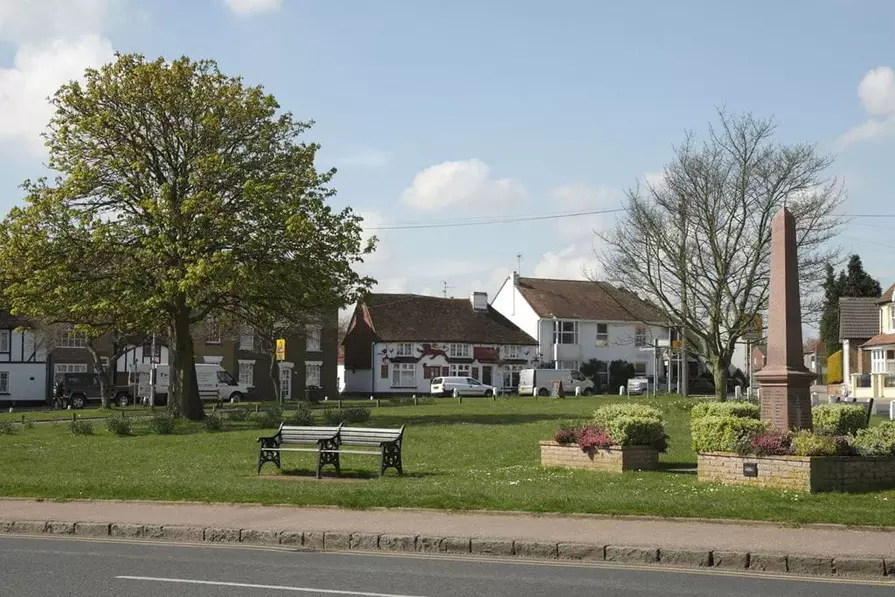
(187, 581)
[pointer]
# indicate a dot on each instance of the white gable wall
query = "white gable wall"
(510, 303)
(23, 368)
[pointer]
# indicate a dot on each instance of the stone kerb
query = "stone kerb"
(614, 459)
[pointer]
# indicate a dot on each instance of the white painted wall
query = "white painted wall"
(25, 367)
(620, 345)
(510, 303)
(340, 375)
(23, 347)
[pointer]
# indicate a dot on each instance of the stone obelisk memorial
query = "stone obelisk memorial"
(785, 382)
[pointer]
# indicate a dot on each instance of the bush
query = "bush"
(268, 418)
(79, 427)
(213, 422)
(875, 442)
(592, 437)
(239, 414)
(163, 423)
(724, 434)
(637, 431)
(566, 435)
(7, 428)
(355, 414)
(772, 443)
(119, 425)
(605, 414)
(806, 443)
(834, 367)
(304, 415)
(732, 408)
(839, 419)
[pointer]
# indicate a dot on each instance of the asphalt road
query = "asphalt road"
(50, 566)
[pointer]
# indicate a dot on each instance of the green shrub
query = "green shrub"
(731, 408)
(119, 425)
(239, 414)
(605, 414)
(8, 428)
(163, 423)
(304, 415)
(637, 431)
(355, 414)
(79, 427)
(724, 434)
(214, 422)
(876, 442)
(806, 443)
(28, 424)
(839, 419)
(268, 418)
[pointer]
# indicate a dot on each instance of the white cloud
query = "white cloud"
(463, 183)
(373, 219)
(373, 159)
(24, 21)
(38, 71)
(574, 262)
(247, 7)
(394, 285)
(877, 94)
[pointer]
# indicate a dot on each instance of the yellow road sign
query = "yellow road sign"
(281, 349)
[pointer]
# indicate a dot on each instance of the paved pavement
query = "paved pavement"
(41, 567)
(745, 537)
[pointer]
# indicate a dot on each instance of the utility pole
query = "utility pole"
(685, 362)
(519, 263)
(152, 374)
(444, 290)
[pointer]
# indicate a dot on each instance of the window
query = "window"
(639, 369)
(459, 351)
(602, 334)
(70, 368)
(405, 349)
(892, 318)
(312, 344)
(511, 352)
(565, 332)
(383, 371)
(247, 341)
(403, 375)
(573, 365)
(602, 377)
(4, 382)
(460, 370)
(511, 376)
(4, 340)
(312, 374)
(878, 361)
(226, 378)
(286, 383)
(73, 339)
(639, 336)
(247, 373)
(212, 331)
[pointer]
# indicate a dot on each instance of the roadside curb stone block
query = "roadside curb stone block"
(256, 537)
(581, 551)
(5, 526)
(92, 529)
(491, 548)
(730, 560)
(126, 531)
(364, 541)
(686, 558)
(429, 544)
(860, 567)
(221, 535)
(180, 534)
(30, 527)
(56, 527)
(767, 562)
(313, 540)
(632, 555)
(535, 549)
(292, 538)
(810, 565)
(337, 541)
(397, 542)
(455, 545)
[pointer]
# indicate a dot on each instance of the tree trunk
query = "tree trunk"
(720, 373)
(274, 378)
(100, 376)
(183, 389)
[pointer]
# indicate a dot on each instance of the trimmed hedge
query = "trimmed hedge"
(605, 414)
(806, 443)
(731, 408)
(834, 367)
(876, 442)
(724, 434)
(839, 419)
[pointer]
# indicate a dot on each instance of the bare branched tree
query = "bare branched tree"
(697, 244)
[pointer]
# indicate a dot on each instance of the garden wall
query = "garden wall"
(798, 473)
(615, 459)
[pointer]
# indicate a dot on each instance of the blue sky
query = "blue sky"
(438, 111)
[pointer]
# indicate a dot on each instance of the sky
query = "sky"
(443, 111)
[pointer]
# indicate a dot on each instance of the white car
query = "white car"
(466, 386)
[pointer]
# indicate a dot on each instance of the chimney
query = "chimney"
(515, 278)
(479, 301)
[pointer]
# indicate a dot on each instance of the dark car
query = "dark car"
(80, 388)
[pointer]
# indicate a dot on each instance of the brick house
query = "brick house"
(396, 343)
(881, 348)
(858, 323)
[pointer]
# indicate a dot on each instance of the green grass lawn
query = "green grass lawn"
(478, 454)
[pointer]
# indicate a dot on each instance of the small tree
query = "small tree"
(853, 281)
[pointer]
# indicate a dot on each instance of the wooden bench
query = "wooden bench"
(325, 440)
(387, 444)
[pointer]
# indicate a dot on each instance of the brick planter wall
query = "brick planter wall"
(800, 473)
(615, 459)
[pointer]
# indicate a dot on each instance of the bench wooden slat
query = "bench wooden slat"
(368, 452)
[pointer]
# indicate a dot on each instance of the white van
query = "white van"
(540, 381)
(215, 383)
(466, 386)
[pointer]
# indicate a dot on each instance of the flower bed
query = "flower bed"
(619, 438)
(840, 455)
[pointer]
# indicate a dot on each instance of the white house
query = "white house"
(575, 322)
(23, 363)
(882, 353)
(396, 343)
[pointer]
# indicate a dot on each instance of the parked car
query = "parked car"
(81, 388)
(540, 381)
(466, 386)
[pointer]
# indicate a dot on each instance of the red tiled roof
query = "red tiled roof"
(584, 299)
(880, 340)
(887, 295)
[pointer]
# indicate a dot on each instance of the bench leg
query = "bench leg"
(267, 454)
(391, 458)
(328, 458)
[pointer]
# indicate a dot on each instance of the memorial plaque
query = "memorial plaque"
(750, 469)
